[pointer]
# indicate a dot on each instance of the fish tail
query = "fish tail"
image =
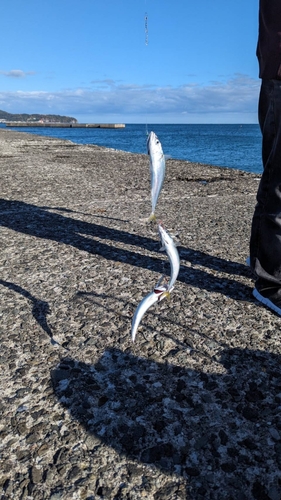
(165, 294)
(152, 217)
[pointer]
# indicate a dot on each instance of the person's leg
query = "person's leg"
(265, 242)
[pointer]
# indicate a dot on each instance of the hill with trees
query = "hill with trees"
(24, 117)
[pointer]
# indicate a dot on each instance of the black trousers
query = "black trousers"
(265, 242)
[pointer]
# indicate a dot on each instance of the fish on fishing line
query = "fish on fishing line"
(171, 250)
(156, 295)
(160, 291)
(157, 170)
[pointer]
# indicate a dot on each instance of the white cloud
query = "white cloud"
(16, 73)
(235, 97)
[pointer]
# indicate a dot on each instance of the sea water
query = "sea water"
(234, 146)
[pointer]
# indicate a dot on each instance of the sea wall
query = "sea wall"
(192, 408)
(65, 125)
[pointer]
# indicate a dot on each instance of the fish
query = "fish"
(157, 170)
(171, 250)
(155, 296)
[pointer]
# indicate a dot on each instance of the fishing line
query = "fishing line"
(146, 43)
(146, 28)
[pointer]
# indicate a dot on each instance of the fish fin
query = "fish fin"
(162, 248)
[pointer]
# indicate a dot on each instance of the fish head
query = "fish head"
(159, 289)
(153, 144)
(163, 236)
(161, 292)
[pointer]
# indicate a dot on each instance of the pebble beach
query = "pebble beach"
(192, 409)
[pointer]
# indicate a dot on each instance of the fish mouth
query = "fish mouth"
(152, 139)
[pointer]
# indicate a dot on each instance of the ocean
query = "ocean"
(233, 146)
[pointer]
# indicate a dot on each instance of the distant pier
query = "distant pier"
(65, 125)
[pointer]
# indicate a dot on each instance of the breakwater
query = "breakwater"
(65, 125)
(192, 409)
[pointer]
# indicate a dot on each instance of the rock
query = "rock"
(36, 475)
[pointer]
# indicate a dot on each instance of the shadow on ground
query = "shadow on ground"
(40, 308)
(42, 223)
(219, 431)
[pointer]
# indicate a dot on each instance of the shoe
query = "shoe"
(270, 296)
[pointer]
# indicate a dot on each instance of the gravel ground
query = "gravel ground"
(191, 410)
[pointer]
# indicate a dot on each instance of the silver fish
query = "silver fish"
(169, 246)
(157, 169)
(156, 295)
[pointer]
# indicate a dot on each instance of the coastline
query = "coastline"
(192, 409)
(220, 145)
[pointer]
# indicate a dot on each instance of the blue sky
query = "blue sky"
(89, 59)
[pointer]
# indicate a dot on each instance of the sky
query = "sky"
(131, 61)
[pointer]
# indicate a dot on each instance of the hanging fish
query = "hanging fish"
(171, 250)
(156, 295)
(157, 170)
